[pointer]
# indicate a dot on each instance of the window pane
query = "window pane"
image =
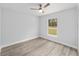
(52, 26)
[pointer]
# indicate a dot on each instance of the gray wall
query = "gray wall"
(67, 27)
(78, 28)
(17, 26)
(0, 26)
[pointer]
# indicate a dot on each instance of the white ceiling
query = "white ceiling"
(25, 7)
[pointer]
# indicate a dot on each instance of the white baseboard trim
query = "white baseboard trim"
(59, 42)
(27, 39)
(65, 44)
(30, 38)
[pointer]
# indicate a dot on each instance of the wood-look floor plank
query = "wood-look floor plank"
(73, 52)
(24, 48)
(56, 51)
(38, 47)
(65, 51)
(43, 50)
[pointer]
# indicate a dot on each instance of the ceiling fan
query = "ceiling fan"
(41, 7)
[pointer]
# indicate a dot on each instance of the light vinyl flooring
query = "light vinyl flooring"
(38, 47)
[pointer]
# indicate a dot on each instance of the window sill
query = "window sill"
(52, 35)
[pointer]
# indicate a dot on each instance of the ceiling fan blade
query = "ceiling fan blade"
(47, 5)
(34, 9)
(40, 5)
